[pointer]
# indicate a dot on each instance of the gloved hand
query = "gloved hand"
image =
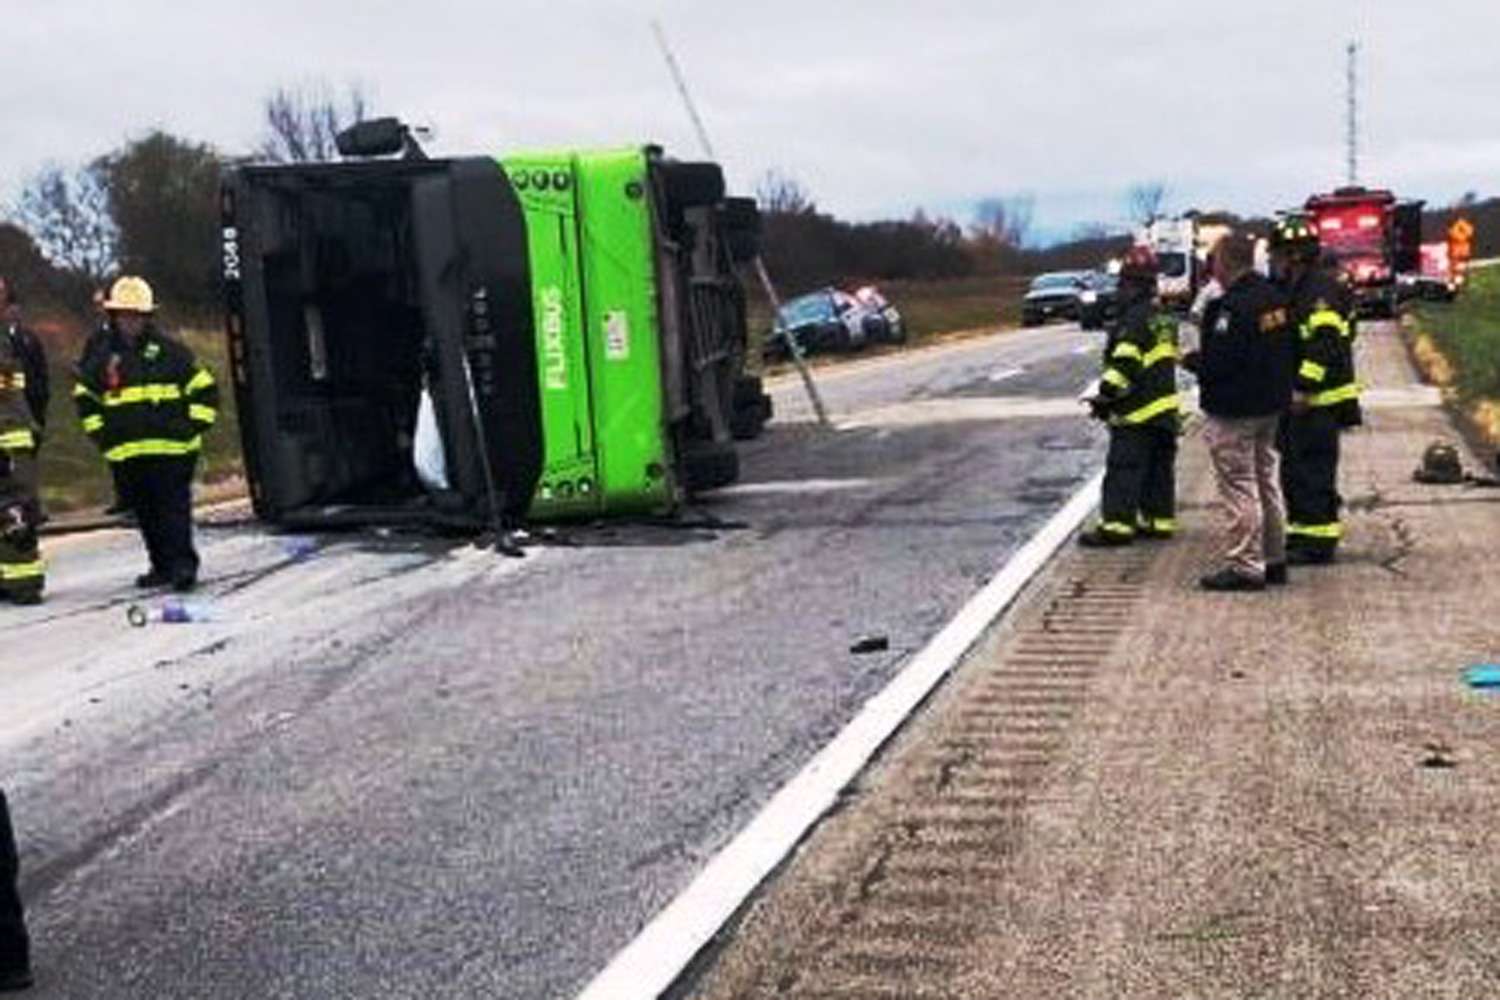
(1098, 408)
(1300, 404)
(1190, 361)
(16, 526)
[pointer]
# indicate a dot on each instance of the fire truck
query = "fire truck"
(1367, 234)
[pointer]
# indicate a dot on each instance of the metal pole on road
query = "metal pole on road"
(760, 265)
(794, 348)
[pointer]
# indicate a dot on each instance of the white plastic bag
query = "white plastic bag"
(427, 447)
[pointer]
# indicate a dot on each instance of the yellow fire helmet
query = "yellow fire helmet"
(130, 294)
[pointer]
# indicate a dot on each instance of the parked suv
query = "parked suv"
(1055, 295)
(831, 319)
(1099, 304)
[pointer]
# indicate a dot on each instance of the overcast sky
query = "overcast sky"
(876, 107)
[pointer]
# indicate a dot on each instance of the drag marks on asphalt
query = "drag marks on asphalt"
(953, 812)
(649, 965)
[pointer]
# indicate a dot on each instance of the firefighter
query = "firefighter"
(28, 348)
(1325, 396)
(21, 573)
(146, 403)
(1138, 399)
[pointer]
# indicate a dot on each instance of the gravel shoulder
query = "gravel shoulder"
(1134, 789)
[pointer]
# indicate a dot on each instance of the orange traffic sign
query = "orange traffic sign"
(1460, 249)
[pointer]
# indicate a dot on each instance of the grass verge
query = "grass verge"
(1457, 347)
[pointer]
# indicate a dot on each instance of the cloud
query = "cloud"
(877, 107)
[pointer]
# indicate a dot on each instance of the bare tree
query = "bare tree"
(303, 123)
(781, 194)
(68, 214)
(1146, 201)
(1089, 231)
(1007, 221)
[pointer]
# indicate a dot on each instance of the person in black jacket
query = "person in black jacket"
(1138, 398)
(1325, 397)
(26, 346)
(1245, 369)
(146, 403)
(15, 943)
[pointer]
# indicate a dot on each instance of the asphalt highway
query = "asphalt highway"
(392, 766)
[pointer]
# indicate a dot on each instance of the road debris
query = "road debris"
(1439, 755)
(871, 644)
(171, 612)
(1485, 676)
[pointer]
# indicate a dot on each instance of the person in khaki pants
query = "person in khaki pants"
(1245, 369)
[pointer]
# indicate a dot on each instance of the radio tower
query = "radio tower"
(1352, 135)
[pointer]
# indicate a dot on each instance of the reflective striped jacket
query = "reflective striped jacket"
(1322, 314)
(1139, 383)
(17, 428)
(148, 399)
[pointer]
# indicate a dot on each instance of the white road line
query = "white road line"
(648, 965)
(1004, 373)
(782, 487)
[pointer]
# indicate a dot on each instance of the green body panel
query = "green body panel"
(570, 474)
(598, 353)
(625, 365)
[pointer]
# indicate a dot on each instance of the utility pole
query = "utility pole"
(682, 89)
(794, 348)
(1352, 133)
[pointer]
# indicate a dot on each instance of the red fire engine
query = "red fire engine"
(1356, 230)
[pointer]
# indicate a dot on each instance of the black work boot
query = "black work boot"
(154, 578)
(1101, 539)
(1304, 556)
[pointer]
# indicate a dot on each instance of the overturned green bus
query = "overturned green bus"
(571, 325)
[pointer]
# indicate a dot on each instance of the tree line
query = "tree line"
(151, 207)
(807, 249)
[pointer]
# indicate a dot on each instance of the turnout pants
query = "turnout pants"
(1246, 471)
(15, 946)
(21, 572)
(159, 491)
(1140, 481)
(1309, 477)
